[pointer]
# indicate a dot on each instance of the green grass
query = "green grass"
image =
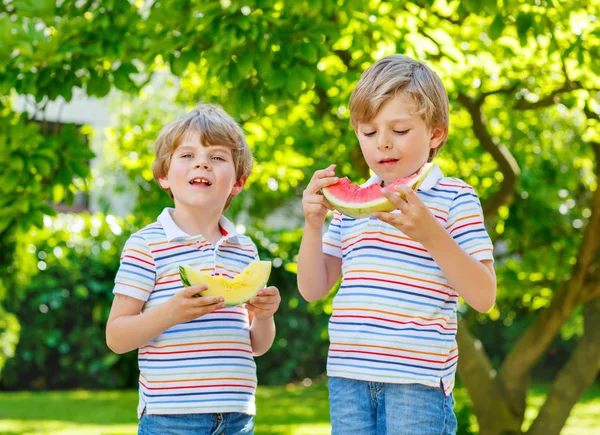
(286, 410)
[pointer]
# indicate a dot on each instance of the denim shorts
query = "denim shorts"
(375, 408)
(196, 424)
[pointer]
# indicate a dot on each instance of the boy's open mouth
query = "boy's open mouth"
(200, 180)
(387, 161)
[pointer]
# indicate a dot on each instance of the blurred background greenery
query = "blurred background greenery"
(523, 77)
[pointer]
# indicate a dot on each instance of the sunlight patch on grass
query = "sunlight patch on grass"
(54, 427)
(286, 410)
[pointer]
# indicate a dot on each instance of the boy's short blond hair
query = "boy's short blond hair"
(215, 127)
(398, 73)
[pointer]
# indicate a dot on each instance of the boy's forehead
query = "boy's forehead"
(400, 108)
(193, 140)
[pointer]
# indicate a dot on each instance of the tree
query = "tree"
(524, 88)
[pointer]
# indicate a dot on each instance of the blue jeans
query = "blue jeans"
(196, 424)
(375, 408)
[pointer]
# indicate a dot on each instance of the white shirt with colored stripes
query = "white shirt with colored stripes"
(205, 365)
(394, 316)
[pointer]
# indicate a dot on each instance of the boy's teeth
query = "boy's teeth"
(199, 180)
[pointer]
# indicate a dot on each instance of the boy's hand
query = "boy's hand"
(415, 220)
(265, 303)
(314, 204)
(183, 306)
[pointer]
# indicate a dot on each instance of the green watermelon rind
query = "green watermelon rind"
(382, 205)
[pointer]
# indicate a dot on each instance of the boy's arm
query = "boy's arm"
(261, 309)
(317, 271)
(474, 280)
(128, 329)
(262, 334)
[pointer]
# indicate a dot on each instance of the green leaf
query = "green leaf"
(98, 86)
(245, 63)
(263, 65)
(294, 84)
(10, 180)
(42, 165)
(180, 63)
(497, 27)
(16, 162)
(277, 79)
(58, 193)
(524, 23)
(308, 52)
(122, 78)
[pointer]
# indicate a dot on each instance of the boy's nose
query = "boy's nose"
(384, 142)
(203, 166)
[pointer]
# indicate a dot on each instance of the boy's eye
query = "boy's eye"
(187, 156)
(401, 132)
(369, 133)
(218, 158)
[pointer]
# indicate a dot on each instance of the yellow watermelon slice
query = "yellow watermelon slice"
(361, 202)
(238, 290)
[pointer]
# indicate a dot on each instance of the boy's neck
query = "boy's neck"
(195, 223)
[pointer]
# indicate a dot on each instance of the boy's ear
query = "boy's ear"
(438, 134)
(164, 182)
(238, 186)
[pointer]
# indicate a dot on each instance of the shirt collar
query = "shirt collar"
(174, 233)
(430, 181)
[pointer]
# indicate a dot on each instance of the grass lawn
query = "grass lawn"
(291, 409)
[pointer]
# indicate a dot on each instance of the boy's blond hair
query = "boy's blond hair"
(397, 73)
(215, 127)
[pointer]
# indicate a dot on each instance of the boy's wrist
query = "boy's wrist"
(436, 237)
(268, 318)
(310, 226)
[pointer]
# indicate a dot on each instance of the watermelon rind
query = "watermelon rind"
(382, 204)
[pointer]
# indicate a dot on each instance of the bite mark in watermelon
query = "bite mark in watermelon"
(361, 202)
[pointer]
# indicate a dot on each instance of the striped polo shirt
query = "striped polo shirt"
(204, 365)
(394, 316)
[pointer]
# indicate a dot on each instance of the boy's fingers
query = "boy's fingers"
(268, 291)
(327, 181)
(255, 308)
(385, 217)
(192, 290)
(411, 195)
(322, 173)
(209, 300)
(209, 309)
(394, 199)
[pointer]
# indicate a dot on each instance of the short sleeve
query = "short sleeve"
(137, 273)
(465, 225)
(332, 239)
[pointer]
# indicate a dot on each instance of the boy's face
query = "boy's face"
(396, 142)
(201, 176)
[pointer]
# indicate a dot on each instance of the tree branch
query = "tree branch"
(550, 99)
(574, 379)
(506, 162)
(479, 377)
(533, 343)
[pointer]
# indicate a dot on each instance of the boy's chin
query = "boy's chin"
(202, 205)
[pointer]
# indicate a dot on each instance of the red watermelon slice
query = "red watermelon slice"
(361, 202)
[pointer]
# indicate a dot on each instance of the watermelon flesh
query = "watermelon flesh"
(361, 202)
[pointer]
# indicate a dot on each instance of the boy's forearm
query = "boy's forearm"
(262, 334)
(312, 271)
(469, 277)
(127, 333)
